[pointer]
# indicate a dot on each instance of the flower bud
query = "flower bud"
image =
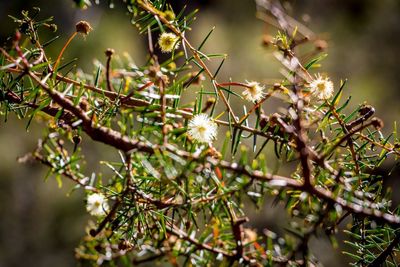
(83, 27)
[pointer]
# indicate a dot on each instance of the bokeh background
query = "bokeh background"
(40, 224)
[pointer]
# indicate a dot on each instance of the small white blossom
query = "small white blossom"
(202, 128)
(254, 92)
(168, 42)
(321, 87)
(97, 204)
(219, 257)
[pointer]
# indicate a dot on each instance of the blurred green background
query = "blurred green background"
(41, 224)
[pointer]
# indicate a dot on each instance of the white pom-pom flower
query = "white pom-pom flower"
(97, 204)
(168, 41)
(202, 128)
(321, 87)
(254, 92)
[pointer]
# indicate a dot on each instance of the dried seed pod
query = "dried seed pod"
(377, 123)
(77, 139)
(366, 111)
(109, 52)
(83, 27)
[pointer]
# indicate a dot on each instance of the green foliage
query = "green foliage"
(173, 197)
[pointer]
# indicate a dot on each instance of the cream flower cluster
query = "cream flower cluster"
(254, 92)
(97, 204)
(321, 87)
(202, 128)
(168, 41)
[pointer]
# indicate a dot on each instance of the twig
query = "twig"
(97, 133)
(346, 137)
(350, 142)
(109, 53)
(172, 229)
(380, 260)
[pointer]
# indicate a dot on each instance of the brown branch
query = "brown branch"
(172, 229)
(301, 138)
(65, 173)
(237, 230)
(97, 133)
(389, 149)
(130, 102)
(346, 129)
(373, 214)
(127, 100)
(346, 137)
(110, 215)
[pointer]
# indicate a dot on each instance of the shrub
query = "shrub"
(176, 194)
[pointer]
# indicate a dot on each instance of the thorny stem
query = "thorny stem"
(97, 133)
(344, 138)
(129, 102)
(138, 102)
(301, 138)
(65, 172)
(349, 141)
(385, 147)
(237, 230)
(173, 230)
(109, 217)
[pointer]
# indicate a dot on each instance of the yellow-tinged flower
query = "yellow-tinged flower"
(202, 128)
(254, 92)
(169, 15)
(321, 87)
(97, 204)
(168, 41)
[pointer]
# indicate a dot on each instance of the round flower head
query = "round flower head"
(83, 27)
(254, 92)
(321, 87)
(202, 128)
(168, 41)
(97, 204)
